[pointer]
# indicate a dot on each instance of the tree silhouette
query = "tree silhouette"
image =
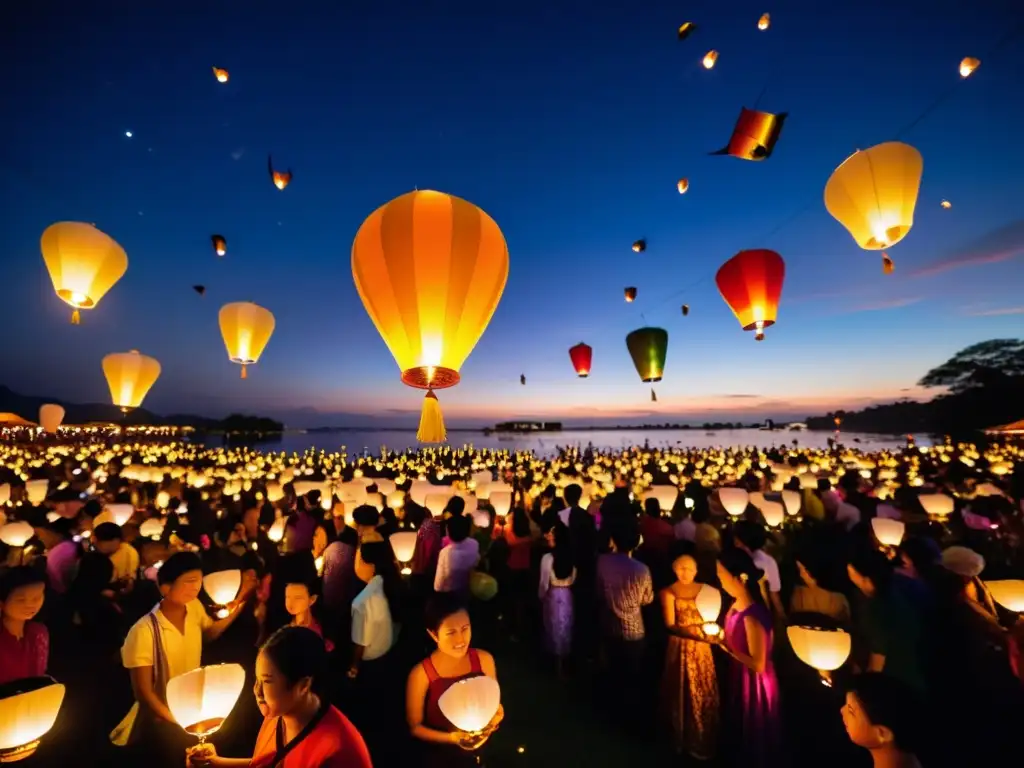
(985, 364)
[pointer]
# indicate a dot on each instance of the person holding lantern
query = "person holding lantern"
(24, 644)
(882, 715)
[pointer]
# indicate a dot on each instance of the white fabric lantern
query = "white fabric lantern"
(825, 650)
(472, 703)
(792, 501)
(223, 586)
(709, 603)
(888, 532)
(734, 500)
(202, 699)
(436, 502)
(27, 715)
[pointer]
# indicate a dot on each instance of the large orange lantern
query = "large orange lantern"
(751, 284)
(130, 376)
(83, 262)
(50, 417)
(430, 269)
(246, 328)
(581, 356)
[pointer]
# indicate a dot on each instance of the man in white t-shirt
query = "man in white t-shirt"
(373, 632)
(751, 538)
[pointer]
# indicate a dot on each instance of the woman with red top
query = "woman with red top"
(300, 730)
(448, 626)
(24, 644)
(516, 578)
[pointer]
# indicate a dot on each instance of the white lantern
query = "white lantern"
(16, 534)
(384, 486)
(153, 528)
(274, 491)
(472, 703)
(709, 606)
(26, 715)
(888, 532)
(665, 494)
(396, 499)
(436, 502)
(276, 532)
(202, 699)
(419, 489)
(119, 513)
(792, 501)
(36, 491)
(223, 586)
(501, 501)
(734, 500)
(1009, 593)
(403, 544)
(937, 504)
(825, 650)
(773, 513)
(483, 491)
(757, 499)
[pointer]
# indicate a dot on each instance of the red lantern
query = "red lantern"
(751, 284)
(581, 356)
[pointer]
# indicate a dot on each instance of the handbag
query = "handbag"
(131, 729)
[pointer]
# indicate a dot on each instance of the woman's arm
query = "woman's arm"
(218, 627)
(668, 609)
(415, 698)
(757, 642)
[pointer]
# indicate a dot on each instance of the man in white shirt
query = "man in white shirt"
(458, 559)
(373, 632)
(751, 538)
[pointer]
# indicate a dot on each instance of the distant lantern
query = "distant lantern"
(279, 179)
(686, 29)
(874, 192)
(221, 74)
(968, 64)
(937, 505)
(581, 356)
(734, 500)
(130, 376)
(630, 294)
(220, 245)
(682, 185)
(764, 22)
(640, 245)
(202, 699)
(223, 586)
(403, 544)
(16, 534)
(246, 328)
(648, 347)
(36, 490)
(50, 417)
(889, 533)
(471, 703)
(946, 204)
(459, 258)
(824, 650)
(84, 263)
(28, 709)
(751, 284)
(709, 59)
(1009, 593)
(686, 309)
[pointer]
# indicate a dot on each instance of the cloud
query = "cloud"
(740, 397)
(1003, 244)
(877, 306)
(237, 154)
(998, 312)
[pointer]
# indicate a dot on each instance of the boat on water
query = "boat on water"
(798, 427)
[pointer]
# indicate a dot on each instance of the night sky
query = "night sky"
(569, 123)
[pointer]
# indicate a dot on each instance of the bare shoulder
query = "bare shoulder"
(417, 675)
(487, 663)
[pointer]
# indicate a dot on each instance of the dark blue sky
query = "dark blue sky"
(569, 123)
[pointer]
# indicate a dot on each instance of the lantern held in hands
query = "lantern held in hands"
(825, 650)
(84, 263)
(28, 709)
(709, 606)
(751, 284)
(403, 544)
(648, 347)
(223, 586)
(430, 269)
(130, 375)
(17, 533)
(202, 699)
(889, 533)
(50, 417)
(1009, 593)
(937, 505)
(470, 704)
(246, 328)
(581, 356)
(501, 501)
(773, 512)
(665, 494)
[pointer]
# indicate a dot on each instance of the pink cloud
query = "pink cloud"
(998, 312)
(876, 306)
(1003, 244)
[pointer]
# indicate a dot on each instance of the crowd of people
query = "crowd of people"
(349, 641)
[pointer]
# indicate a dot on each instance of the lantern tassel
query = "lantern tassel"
(431, 421)
(654, 397)
(245, 375)
(76, 318)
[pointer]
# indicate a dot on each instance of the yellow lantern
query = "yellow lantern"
(825, 650)
(709, 59)
(83, 262)
(501, 501)
(246, 328)
(403, 544)
(968, 64)
(471, 703)
(764, 22)
(276, 530)
(28, 709)
(430, 269)
(888, 532)
(773, 512)
(17, 533)
(223, 586)
(50, 417)
(1009, 593)
(874, 192)
(202, 699)
(36, 490)
(682, 185)
(937, 505)
(665, 495)
(130, 376)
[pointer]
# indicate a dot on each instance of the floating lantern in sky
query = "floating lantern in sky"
(471, 703)
(686, 309)
(28, 709)
(946, 204)
(581, 356)
(202, 699)
(640, 245)
(221, 74)
(682, 185)
(130, 376)
(630, 294)
(754, 135)
(220, 245)
(430, 269)
(84, 263)
(223, 586)
(686, 29)
(751, 284)
(200, 289)
(50, 417)
(968, 64)
(279, 179)
(648, 347)
(1009, 593)
(889, 533)
(709, 59)
(246, 328)
(764, 22)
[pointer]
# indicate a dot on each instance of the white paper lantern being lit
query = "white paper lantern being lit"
(119, 513)
(36, 491)
(937, 504)
(403, 544)
(773, 513)
(888, 532)
(665, 494)
(16, 534)
(1009, 593)
(709, 606)
(223, 586)
(472, 703)
(825, 650)
(202, 699)
(27, 712)
(734, 500)
(501, 501)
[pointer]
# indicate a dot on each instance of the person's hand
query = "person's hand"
(201, 756)
(472, 741)
(496, 720)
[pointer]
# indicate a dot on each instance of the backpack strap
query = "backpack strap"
(160, 671)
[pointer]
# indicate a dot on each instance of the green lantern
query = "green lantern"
(648, 347)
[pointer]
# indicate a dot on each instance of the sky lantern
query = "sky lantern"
(823, 649)
(709, 59)
(246, 328)
(686, 29)
(430, 269)
(221, 74)
(28, 710)
(83, 262)
(888, 533)
(202, 699)
(640, 245)
(279, 179)
(220, 245)
(17, 533)
(734, 500)
(403, 544)
(682, 185)
(1009, 593)
(582, 355)
(751, 284)
(709, 606)
(946, 204)
(130, 375)
(50, 417)
(630, 294)
(223, 586)
(764, 22)
(36, 490)
(471, 703)
(754, 135)
(874, 192)
(648, 348)
(967, 66)
(686, 309)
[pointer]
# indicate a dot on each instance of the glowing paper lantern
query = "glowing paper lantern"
(1009, 593)
(119, 514)
(276, 531)
(808, 481)
(223, 586)
(403, 544)
(501, 501)
(734, 500)
(682, 185)
(648, 348)
(16, 534)
(751, 284)
(581, 356)
(874, 192)
(888, 532)
(754, 135)
(221, 74)
(823, 649)
(773, 513)
(246, 328)
(709, 59)
(436, 502)
(28, 709)
(153, 528)
(274, 491)
(5, 493)
(50, 417)
(665, 494)
(472, 703)
(709, 606)
(84, 263)
(968, 64)
(937, 504)
(130, 376)
(202, 699)
(764, 22)
(36, 491)
(430, 269)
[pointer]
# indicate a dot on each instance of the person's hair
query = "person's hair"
(440, 607)
(750, 534)
(893, 704)
(456, 506)
(376, 553)
(296, 652)
(349, 536)
(367, 515)
(91, 508)
(107, 532)
(818, 566)
(562, 553)
(740, 564)
(871, 564)
(520, 522)
(624, 533)
(924, 553)
(652, 507)
(251, 561)
(18, 577)
(176, 566)
(458, 528)
(572, 494)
